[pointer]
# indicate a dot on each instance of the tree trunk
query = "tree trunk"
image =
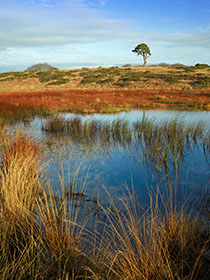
(145, 60)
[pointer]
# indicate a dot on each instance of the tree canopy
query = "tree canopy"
(142, 49)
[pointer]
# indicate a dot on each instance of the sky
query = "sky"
(91, 33)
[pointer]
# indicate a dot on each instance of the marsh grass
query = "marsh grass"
(10, 114)
(20, 184)
(40, 238)
(159, 145)
(43, 235)
(161, 244)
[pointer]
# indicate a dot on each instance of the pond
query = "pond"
(102, 154)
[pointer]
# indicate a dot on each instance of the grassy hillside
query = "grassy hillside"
(112, 89)
(135, 77)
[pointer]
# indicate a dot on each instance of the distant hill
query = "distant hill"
(40, 66)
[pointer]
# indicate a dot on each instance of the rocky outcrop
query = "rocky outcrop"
(40, 67)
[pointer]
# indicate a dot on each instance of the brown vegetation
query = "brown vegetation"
(42, 238)
(107, 89)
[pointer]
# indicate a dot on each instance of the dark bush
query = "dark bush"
(201, 66)
(203, 82)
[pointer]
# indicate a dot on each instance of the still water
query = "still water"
(98, 170)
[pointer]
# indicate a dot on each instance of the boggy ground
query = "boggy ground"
(107, 89)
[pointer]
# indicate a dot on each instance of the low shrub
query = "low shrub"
(58, 82)
(122, 83)
(46, 76)
(108, 80)
(201, 66)
(203, 82)
(132, 77)
(171, 79)
(89, 79)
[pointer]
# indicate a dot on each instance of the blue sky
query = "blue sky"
(77, 33)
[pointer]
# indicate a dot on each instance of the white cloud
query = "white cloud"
(72, 33)
(70, 22)
(189, 38)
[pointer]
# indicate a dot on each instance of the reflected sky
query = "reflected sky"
(110, 170)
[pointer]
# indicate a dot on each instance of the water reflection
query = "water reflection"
(105, 152)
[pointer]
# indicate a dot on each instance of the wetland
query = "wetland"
(105, 196)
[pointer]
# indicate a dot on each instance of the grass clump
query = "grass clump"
(39, 235)
(20, 185)
(58, 82)
(166, 244)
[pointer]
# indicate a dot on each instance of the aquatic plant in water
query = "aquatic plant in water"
(160, 145)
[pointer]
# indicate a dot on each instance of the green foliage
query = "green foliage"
(10, 76)
(203, 82)
(115, 71)
(132, 76)
(7, 79)
(201, 66)
(85, 74)
(46, 76)
(89, 79)
(169, 78)
(108, 80)
(142, 49)
(122, 83)
(58, 82)
(94, 77)
(2, 75)
(188, 69)
(71, 72)
(193, 68)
